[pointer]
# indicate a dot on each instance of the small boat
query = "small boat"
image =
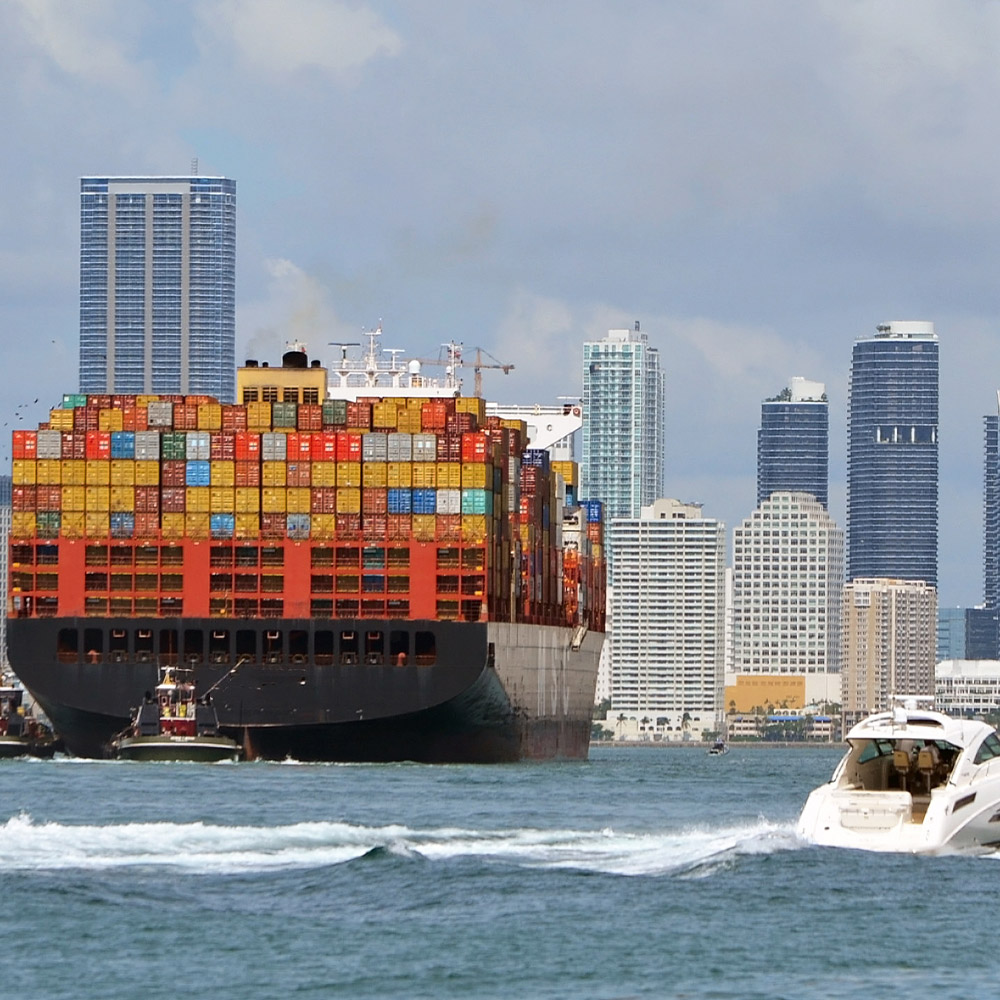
(21, 734)
(718, 748)
(174, 723)
(912, 781)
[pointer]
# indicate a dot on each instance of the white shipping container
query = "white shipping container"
(198, 446)
(160, 414)
(449, 501)
(49, 444)
(273, 447)
(400, 447)
(424, 448)
(147, 446)
(374, 447)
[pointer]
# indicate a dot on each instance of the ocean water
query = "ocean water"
(640, 873)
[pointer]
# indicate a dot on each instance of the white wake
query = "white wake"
(201, 847)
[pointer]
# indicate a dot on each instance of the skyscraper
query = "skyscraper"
(991, 513)
(622, 422)
(667, 656)
(158, 285)
(793, 441)
(892, 465)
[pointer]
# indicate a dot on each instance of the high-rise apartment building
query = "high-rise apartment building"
(788, 575)
(890, 628)
(990, 612)
(668, 608)
(158, 285)
(622, 422)
(793, 442)
(892, 465)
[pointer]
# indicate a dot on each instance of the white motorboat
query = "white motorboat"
(912, 781)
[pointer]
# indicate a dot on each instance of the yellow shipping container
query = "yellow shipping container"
(568, 470)
(223, 473)
(408, 421)
(96, 524)
(424, 527)
(98, 472)
(122, 472)
(349, 474)
(384, 415)
(74, 498)
(209, 417)
(474, 527)
(273, 500)
(323, 525)
(273, 473)
(172, 525)
(197, 525)
(22, 524)
(247, 525)
(97, 498)
(424, 475)
(197, 499)
(222, 500)
(348, 498)
(297, 500)
(146, 400)
(123, 498)
(247, 500)
(374, 474)
(476, 476)
(472, 404)
(324, 473)
(449, 475)
(48, 471)
(258, 416)
(61, 420)
(73, 524)
(74, 472)
(147, 473)
(24, 472)
(399, 474)
(110, 420)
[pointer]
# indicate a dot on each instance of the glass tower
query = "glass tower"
(892, 464)
(793, 442)
(158, 285)
(622, 422)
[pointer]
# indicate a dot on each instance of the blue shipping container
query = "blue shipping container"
(123, 444)
(594, 509)
(223, 525)
(122, 525)
(400, 500)
(198, 473)
(536, 456)
(298, 525)
(425, 501)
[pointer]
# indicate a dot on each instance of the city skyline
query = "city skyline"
(537, 188)
(158, 285)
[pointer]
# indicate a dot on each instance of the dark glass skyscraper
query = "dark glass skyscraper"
(892, 462)
(991, 514)
(793, 442)
(158, 285)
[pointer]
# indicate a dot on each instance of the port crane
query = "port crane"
(456, 360)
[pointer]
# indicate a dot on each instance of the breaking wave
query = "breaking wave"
(200, 847)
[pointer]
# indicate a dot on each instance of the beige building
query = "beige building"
(889, 643)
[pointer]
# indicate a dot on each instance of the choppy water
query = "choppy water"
(642, 873)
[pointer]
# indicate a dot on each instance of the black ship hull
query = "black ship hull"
(463, 691)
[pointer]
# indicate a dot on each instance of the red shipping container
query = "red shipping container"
(299, 447)
(323, 500)
(120, 402)
(359, 414)
(474, 446)
(24, 497)
(460, 423)
(173, 472)
(434, 415)
(98, 445)
(99, 402)
(273, 525)
(234, 418)
(128, 416)
(172, 499)
(449, 448)
(348, 526)
(374, 526)
(222, 447)
(348, 446)
(324, 447)
(374, 500)
(49, 498)
(247, 446)
(147, 499)
(141, 418)
(147, 525)
(247, 473)
(400, 527)
(310, 417)
(298, 473)
(25, 444)
(185, 416)
(449, 527)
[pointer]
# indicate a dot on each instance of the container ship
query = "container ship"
(357, 572)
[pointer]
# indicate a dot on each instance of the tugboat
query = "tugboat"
(718, 748)
(21, 734)
(175, 724)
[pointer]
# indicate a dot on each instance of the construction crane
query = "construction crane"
(456, 359)
(478, 367)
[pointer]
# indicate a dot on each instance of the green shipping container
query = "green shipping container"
(174, 445)
(284, 415)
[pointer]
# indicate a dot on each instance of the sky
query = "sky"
(759, 184)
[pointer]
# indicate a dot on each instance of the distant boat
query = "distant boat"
(175, 724)
(21, 734)
(718, 748)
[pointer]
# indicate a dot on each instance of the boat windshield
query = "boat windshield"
(913, 765)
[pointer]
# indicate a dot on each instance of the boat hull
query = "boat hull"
(201, 749)
(494, 692)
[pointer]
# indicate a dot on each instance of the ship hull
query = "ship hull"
(491, 692)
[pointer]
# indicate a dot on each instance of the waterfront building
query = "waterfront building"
(158, 285)
(667, 605)
(892, 466)
(6, 491)
(793, 441)
(951, 633)
(967, 687)
(788, 572)
(890, 628)
(623, 399)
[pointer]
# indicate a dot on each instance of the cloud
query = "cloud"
(282, 38)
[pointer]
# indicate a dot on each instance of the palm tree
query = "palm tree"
(622, 719)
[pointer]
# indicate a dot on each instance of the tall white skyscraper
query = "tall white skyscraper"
(623, 400)
(158, 285)
(788, 574)
(668, 607)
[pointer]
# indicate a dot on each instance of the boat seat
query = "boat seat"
(927, 761)
(901, 762)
